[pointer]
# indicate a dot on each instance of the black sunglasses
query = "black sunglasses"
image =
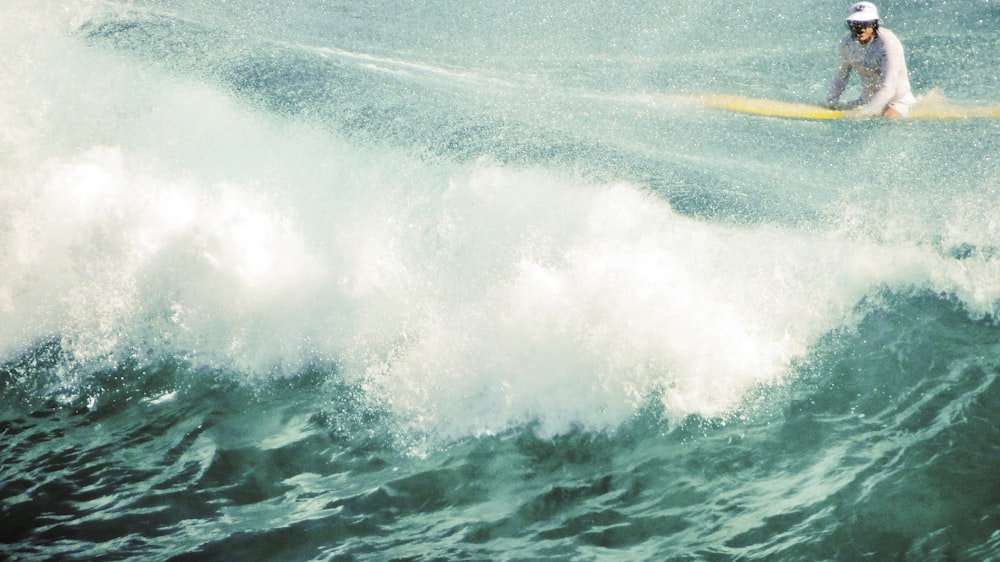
(858, 28)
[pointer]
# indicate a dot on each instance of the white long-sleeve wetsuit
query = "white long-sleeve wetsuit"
(882, 69)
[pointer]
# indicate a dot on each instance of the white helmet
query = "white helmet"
(863, 12)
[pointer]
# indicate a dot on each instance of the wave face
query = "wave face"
(460, 281)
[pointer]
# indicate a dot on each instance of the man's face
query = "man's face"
(862, 31)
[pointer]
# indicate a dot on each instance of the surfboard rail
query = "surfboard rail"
(930, 107)
(767, 107)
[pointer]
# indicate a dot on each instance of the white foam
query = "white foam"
(166, 218)
(603, 295)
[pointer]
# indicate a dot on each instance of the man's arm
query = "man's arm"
(840, 78)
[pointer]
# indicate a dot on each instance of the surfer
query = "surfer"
(876, 56)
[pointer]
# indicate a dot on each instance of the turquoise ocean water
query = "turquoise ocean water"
(462, 280)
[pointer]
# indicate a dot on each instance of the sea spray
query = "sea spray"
(323, 281)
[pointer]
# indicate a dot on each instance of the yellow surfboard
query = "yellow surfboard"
(932, 106)
(770, 108)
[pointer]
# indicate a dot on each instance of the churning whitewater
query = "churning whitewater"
(442, 280)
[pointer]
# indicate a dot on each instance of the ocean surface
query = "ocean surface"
(477, 280)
